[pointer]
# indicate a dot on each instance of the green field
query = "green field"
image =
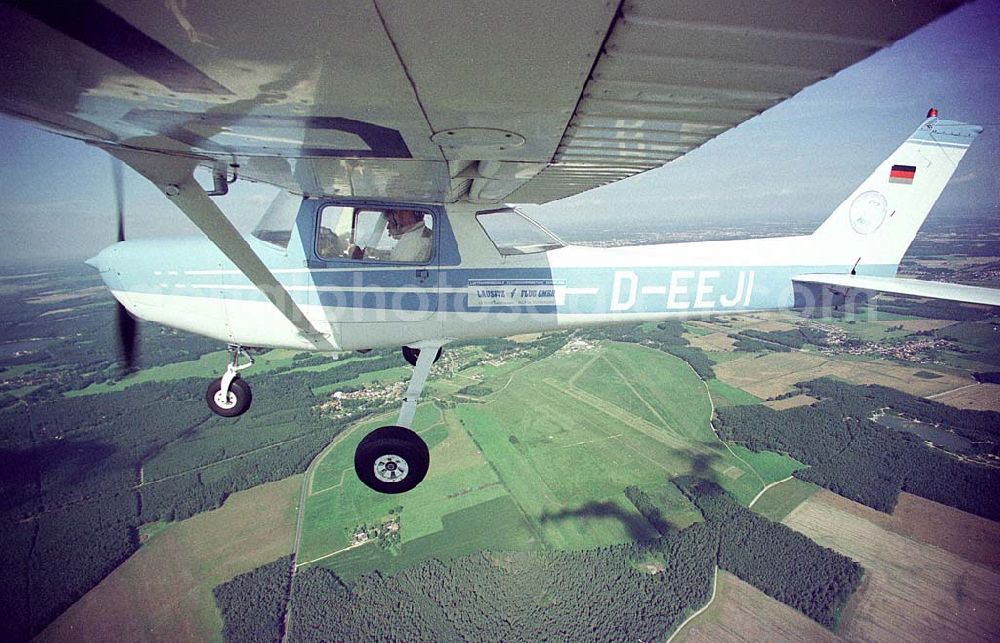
(697, 330)
(779, 501)
(725, 395)
(462, 534)
(541, 461)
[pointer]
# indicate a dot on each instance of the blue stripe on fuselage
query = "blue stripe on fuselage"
(618, 290)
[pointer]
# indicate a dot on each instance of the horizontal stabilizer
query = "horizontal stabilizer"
(913, 287)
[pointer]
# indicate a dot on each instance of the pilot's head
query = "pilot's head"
(399, 222)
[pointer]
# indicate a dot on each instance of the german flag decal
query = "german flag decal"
(902, 173)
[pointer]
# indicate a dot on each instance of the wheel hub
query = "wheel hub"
(225, 401)
(391, 468)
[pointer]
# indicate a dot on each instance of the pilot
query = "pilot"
(413, 237)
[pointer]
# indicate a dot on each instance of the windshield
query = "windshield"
(513, 233)
(276, 224)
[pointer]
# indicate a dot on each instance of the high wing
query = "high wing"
(436, 101)
(841, 284)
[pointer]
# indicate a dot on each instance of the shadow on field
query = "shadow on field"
(638, 529)
(701, 463)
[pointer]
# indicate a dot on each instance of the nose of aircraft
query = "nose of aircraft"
(100, 261)
(108, 263)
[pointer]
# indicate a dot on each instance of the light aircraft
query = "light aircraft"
(397, 131)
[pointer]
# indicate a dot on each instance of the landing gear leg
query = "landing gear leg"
(394, 459)
(230, 395)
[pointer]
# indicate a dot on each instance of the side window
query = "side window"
(333, 235)
(515, 234)
(368, 234)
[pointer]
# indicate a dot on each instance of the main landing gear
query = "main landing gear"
(230, 395)
(394, 459)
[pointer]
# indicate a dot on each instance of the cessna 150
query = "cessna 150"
(397, 130)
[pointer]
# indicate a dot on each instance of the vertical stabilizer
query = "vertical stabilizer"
(875, 225)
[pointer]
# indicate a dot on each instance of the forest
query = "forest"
(781, 341)
(857, 458)
(253, 604)
(633, 591)
(777, 560)
(626, 592)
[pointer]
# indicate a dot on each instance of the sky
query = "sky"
(795, 162)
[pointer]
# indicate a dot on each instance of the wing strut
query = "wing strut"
(174, 176)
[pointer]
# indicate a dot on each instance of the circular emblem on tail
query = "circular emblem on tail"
(868, 212)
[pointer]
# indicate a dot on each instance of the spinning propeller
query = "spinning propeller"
(128, 328)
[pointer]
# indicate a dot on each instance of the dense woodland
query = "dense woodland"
(855, 457)
(75, 341)
(637, 591)
(603, 594)
(779, 561)
(780, 341)
(253, 604)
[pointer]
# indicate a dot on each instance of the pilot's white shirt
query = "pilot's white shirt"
(413, 246)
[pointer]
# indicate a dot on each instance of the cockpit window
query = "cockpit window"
(276, 224)
(401, 235)
(513, 233)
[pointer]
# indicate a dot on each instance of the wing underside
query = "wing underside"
(842, 284)
(444, 100)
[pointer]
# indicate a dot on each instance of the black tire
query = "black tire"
(392, 459)
(239, 398)
(411, 355)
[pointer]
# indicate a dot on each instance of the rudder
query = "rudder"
(873, 228)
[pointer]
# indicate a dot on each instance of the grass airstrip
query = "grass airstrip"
(541, 461)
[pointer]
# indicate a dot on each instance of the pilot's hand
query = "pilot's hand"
(356, 252)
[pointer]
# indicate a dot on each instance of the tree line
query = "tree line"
(857, 458)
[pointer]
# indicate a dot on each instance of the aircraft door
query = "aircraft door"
(379, 271)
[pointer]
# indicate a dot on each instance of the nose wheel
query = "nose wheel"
(392, 459)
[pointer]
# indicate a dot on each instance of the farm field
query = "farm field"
(550, 450)
(711, 342)
(164, 591)
(741, 612)
(912, 590)
(976, 396)
(772, 374)
(966, 535)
